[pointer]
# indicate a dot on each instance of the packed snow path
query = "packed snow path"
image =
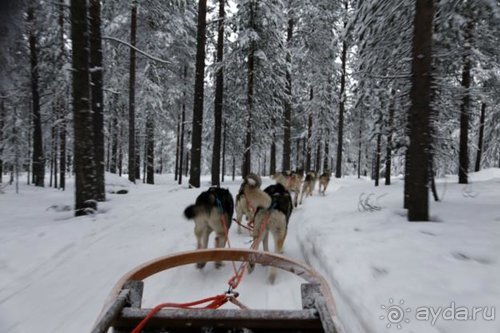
(56, 270)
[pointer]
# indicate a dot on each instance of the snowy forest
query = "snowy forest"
(397, 101)
(193, 88)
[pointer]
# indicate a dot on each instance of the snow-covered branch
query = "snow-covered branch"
(138, 50)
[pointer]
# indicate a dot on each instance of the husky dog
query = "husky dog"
(212, 209)
(308, 185)
(291, 181)
(244, 208)
(324, 180)
(272, 215)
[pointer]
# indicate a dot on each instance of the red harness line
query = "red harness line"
(235, 280)
(215, 302)
(218, 300)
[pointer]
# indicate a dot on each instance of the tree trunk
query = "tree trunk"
(287, 137)
(28, 153)
(360, 145)
(177, 148)
(309, 135)
(326, 158)
(96, 77)
(304, 153)
(388, 148)
(84, 163)
(247, 155)
(120, 151)
(272, 159)
(61, 105)
(376, 169)
(465, 107)
(131, 95)
(183, 120)
(297, 155)
(114, 145)
(342, 97)
(196, 138)
(480, 138)
(55, 150)
(145, 160)
(38, 157)
(150, 149)
(108, 148)
(234, 168)
(137, 157)
(317, 164)
(224, 151)
(2, 115)
(420, 112)
(433, 182)
(219, 98)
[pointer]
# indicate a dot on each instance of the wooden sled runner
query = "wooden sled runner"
(123, 311)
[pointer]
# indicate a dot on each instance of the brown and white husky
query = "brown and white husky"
(273, 209)
(291, 181)
(308, 185)
(243, 207)
(324, 180)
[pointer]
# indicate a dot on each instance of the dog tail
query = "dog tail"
(190, 212)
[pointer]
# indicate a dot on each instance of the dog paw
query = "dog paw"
(219, 265)
(200, 265)
(250, 268)
(271, 278)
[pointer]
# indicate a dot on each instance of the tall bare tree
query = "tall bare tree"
(247, 154)
(420, 113)
(38, 156)
(96, 74)
(465, 107)
(287, 137)
(61, 104)
(342, 97)
(84, 163)
(131, 96)
(196, 139)
(480, 138)
(219, 98)
(150, 149)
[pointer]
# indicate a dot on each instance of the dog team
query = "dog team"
(267, 211)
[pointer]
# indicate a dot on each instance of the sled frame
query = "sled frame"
(123, 312)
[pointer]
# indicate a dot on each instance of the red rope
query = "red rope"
(215, 303)
(242, 225)
(226, 232)
(235, 280)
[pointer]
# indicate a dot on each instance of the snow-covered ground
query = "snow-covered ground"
(56, 270)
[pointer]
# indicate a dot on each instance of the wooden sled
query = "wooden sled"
(123, 311)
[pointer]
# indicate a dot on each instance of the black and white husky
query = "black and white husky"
(273, 209)
(212, 209)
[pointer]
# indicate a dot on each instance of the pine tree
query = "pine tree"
(420, 112)
(219, 98)
(38, 155)
(132, 157)
(97, 97)
(196, 136)
(84, 160)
